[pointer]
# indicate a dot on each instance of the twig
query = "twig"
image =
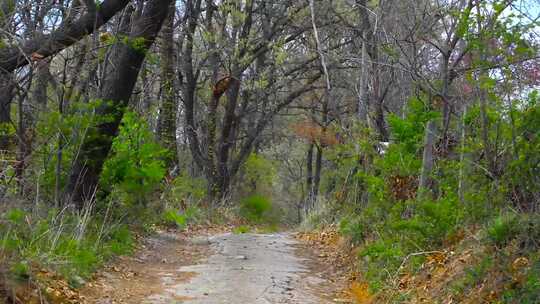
(410, 256)
(319, 47)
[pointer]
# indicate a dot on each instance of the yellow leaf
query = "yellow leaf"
(360, 293)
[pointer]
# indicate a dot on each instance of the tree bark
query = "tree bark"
(428, 158)
(29, 110)
(317, 176)
(7, 93)
(371, 98)
(464, 159)
(483, 99)
(193, 8)
(363, 104)
(309, 179)
(166, 129)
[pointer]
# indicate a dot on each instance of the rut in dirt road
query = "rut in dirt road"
(250, 269)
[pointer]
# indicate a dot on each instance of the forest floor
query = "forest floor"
(217, 267)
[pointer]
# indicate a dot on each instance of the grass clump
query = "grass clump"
(67, 243)
(354, 228)
(527, 289)
(173, 217)
(502, 229)
(472, 276)
(241, 229)
(256, 208)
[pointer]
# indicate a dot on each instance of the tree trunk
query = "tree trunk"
(425, 185)
(309, 179)
(212, 167)
(116, 92)
(428, 159)
(7, 93)
(464, 159)
(317, 176)
(166, 129)
(230, 119)
(7, 81)
(29, 111)
(489, 151)
(363, 104)
(193, 9)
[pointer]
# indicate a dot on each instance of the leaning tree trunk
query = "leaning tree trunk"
(67, 34)
(126, 61)
(13, 57)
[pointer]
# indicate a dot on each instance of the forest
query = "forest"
(402, 137)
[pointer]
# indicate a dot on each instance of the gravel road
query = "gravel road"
(249, 269)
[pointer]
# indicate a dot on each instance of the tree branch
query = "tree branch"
(15, 57)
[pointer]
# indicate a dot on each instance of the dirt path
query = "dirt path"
(217, 269)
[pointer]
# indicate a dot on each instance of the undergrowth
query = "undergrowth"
(73, 242)
(72, 245)
(397, 230)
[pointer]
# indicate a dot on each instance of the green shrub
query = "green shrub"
(121, 241)
(241, 229)
(523, 174)
(186, 188)
(509, 226)
(20, 271)
(84, 261)
(529, 229)
(76, 123)
(180, 219)
(259, 173)
(433, 221)
(409, 131)
(76, 258)
(15, 216)
(528, 291)
(473, 276)
(173, 217)
(354, 228)
(136, 165)
(380, 260)
(475, 204)
(255, 208)
(70, 244)
(502, 229)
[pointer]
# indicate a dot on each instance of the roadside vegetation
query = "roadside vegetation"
(410, 128)
(43, 241)
(398, 230)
